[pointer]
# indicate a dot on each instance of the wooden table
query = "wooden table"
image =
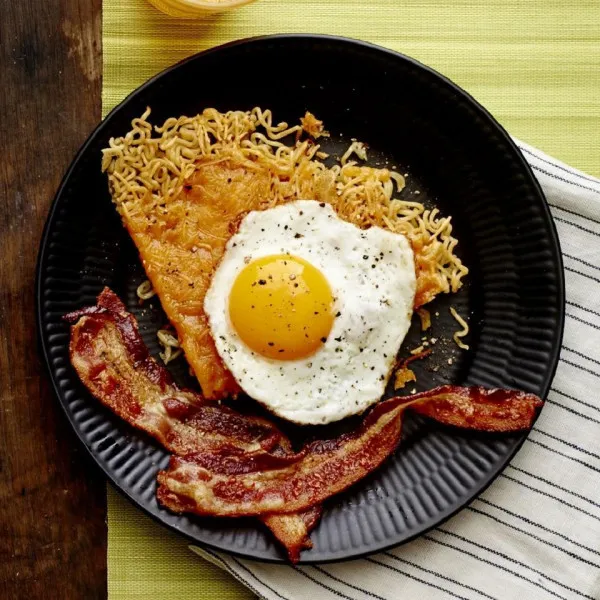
(52, 499)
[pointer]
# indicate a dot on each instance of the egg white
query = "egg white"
(372, 276)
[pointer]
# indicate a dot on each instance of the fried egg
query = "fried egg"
(308, 312)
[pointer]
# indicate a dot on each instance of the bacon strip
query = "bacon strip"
(292, 530)
(481, 409)
(114, 364)
(238, 483)
(229, 464)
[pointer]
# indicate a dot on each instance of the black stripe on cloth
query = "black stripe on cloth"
(580, 367)
(596, 233)
(326, 587)
(555, 485)
(535, 537)
(458, 583)
(575, 214)
(588, 404)
(571, 270)
(583, 308)
(581, 320)
(260, 581)
(573, 411)
(583, 262)
(570, 444)
(493, 564)
(569, 181)
(577, 460)
(594, 360)
(571, 172)
(238, 577)
(354, 587)
(562, 502)
(534, 524)
(415, 578)
(505, 557)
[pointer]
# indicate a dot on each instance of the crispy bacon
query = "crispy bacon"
(292, 530)
(243, 484)
(113, 362)
(481, 409)
(228, 464)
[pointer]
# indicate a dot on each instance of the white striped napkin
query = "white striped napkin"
(535, 532)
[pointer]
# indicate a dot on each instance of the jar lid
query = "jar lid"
(195, 8)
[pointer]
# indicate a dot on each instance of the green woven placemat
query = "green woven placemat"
(148, 562)
(535, 64)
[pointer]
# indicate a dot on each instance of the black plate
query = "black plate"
(457, 157)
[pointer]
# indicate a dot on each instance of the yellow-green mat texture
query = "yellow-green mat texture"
(535, 64)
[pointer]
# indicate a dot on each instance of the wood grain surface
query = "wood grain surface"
(52, 500)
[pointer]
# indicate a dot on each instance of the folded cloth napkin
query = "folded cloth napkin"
(535, 532)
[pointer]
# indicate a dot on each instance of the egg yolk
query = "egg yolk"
(282, 307)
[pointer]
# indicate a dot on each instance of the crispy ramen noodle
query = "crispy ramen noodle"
(461, 333)
(141, 163)
(145, 291)
(357, 148)
(170, 344)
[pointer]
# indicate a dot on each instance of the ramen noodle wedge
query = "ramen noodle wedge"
(182, 188)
